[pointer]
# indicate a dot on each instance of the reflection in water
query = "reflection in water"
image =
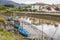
(51, 28)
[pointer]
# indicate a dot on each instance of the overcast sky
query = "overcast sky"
(33, 1)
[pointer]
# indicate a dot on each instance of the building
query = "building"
(38, 6)
(45, 7)
(52, 8)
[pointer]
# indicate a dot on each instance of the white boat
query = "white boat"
(25, 20)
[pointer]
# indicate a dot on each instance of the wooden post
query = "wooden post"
(39, 21)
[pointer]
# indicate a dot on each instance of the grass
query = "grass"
(5, 35)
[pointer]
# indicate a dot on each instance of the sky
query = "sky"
(33, 1)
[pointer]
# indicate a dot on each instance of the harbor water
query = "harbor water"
(51, 28)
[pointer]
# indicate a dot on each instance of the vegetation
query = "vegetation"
(2, 19)
(11, 8)
(5, 35)
(2, 8)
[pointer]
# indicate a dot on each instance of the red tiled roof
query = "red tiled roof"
(40, 3)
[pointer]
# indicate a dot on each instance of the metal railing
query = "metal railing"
(35, 33)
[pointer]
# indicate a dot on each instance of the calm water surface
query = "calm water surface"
(51, 28)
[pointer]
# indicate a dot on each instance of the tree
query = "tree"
(10, 5)
(19, 8)
(11, 10)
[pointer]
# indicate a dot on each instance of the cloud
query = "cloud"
(32, 1)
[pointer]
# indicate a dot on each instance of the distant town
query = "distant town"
(36, 7)
(45, 7)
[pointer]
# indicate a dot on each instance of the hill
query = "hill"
(7, 2)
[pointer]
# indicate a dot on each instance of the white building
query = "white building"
(38, 6)
(35, 7)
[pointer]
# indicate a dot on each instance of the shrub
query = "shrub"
(2, 19)
(1, 29)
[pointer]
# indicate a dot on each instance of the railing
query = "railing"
(37, 34)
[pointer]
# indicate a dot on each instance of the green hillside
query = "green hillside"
(5, 35)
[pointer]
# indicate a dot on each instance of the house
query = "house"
(52, 8)
(38, 6)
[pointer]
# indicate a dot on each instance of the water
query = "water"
(52, 29)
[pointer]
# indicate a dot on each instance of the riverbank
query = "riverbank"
(5, 35)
